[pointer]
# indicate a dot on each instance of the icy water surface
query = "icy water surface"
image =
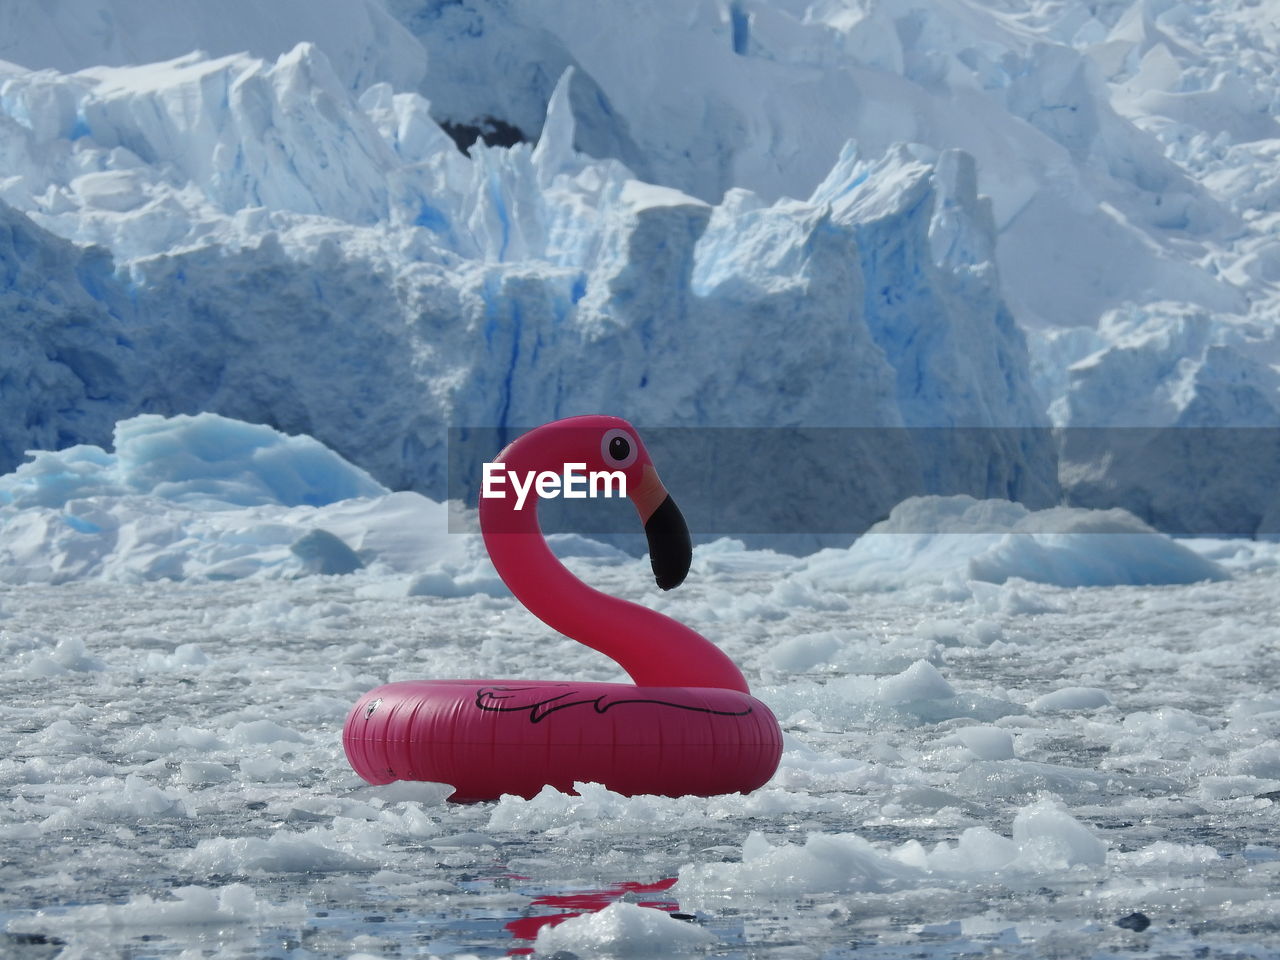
(971, 770)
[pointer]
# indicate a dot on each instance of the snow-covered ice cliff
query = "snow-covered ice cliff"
(208, 498)
(332, 265)
(864, 216)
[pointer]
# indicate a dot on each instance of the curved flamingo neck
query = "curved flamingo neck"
(655, 650)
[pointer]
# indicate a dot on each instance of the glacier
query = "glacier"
(979, 215)
(506, 287)
(208, 498)
(782, 86)
(258, 286)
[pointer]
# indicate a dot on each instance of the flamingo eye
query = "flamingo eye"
(618, 449)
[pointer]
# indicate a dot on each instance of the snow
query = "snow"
(920, 681)
(986, 743)
(190, 906)
(248, 285)
(508, 287)
(623, 929)
(367, 45)
(1072, 698)
(191, 459)
(225, 764)
(782, 86)
(1045, 839)
(954, 748)
(1091, 180)
(208, 497)
(996, 541)
(212, 498)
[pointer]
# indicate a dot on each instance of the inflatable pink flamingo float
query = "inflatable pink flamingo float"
(687, 725)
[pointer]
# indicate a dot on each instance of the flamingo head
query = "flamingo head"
(612, 445)
(670, 549)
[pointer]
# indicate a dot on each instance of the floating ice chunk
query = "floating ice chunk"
(410, 820)
(71, 654)
(200, 459)
(202, 772)
(920, 681)
(825, 863)
(316, 851)
(211, 457)
(929, 539)
(1238, 555)
(593, 803)
(265, 769)
(1049, 838)
(1162, 853)
(919, 692)
(1071, 698)
(190, 906)
(623, 930)
(423, 792)
(1046, 840)
(134, 799)
(800, 653)
(987, 743)
(1094, 558)
(1169, 732)
(1260, 761)
(324, 553)
(1230, 788)
(68, 656)
(16, 832)
(154, 740)
(184, 657)
(604, 810)
(402, 531)
(1004, 778)
(979, 850)
(1011, 598)
(453, 581)
(791, 594)
(924, 798)
(134, 537)
(263, 731)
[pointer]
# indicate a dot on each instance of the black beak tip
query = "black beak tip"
(670, 548)
(669, 579)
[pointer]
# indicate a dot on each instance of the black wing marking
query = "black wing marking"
(540, 706)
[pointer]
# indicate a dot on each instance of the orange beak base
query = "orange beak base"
(670, 549)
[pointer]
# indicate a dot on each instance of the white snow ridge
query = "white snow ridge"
(266, 267)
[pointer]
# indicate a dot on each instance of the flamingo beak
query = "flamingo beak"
(670, 548)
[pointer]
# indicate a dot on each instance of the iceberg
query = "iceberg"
(202, 460)
(866, 219)
(273, 235)
(1090, 211)
(205, 497)
(939, 539)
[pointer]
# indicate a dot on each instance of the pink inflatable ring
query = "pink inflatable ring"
(687, 725)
